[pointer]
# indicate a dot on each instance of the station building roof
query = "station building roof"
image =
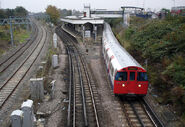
(79, 20)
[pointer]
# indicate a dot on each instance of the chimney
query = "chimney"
(87, 11)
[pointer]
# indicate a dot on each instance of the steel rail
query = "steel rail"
(127, 117)
(74, 99)
(1, 87)
(67, 45)
(89, 84)
(137, 115)
(70, 87)
(81, 81)
(91, 91)
(83, 93)
(156, 121)
(4, 101)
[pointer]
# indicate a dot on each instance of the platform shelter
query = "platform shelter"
(88, 27)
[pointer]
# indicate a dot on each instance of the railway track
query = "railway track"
(26, 60)
(13, 60)
(136, 114)
(82, 108)
(10, 58)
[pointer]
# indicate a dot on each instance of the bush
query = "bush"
(129, 32)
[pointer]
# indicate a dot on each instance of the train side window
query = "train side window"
(107, 58)
(132, 76)
(142, 76)
(112, 71)
(121, 76)
(111, 68)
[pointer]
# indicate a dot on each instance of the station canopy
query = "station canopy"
(83, 20)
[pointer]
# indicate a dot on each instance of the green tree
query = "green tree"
(20, 11)
(54, 13)
(2, 14)
(65, 12)
(9, 12)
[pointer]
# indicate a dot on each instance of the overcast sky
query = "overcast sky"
(40, 5)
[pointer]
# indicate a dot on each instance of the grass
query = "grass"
(2, 51)
(20, 36)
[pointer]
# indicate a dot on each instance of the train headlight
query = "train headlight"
(123, 85)
(139, 85)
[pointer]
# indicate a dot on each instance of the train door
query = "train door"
(132, 82)
(109, 63)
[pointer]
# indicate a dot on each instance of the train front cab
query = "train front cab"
(131, 81)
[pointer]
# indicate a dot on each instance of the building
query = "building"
(89, 28)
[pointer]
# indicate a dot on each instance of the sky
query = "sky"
(40, 5)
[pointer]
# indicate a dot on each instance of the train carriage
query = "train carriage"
(126, 74)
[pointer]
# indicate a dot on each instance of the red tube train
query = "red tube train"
(127, 76)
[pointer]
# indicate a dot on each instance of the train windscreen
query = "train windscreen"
(132, 76)
(142, 76)
(121, 76)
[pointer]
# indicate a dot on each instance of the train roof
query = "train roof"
(120, 54)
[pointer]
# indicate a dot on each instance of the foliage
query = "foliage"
(2, 14)
(54, 13)
(65, 12)
(9, 12)
(20, 36)
(114, 22)
(129, 32)
(20, 11)
(17, 12)
(176, 71)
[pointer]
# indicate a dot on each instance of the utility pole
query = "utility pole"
(11, 31)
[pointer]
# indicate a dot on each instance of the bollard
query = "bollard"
(55, 43)
(55, 61)
(55, 40)
(17, 118)
(37, 89)
(53, 88)
(27, 108)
